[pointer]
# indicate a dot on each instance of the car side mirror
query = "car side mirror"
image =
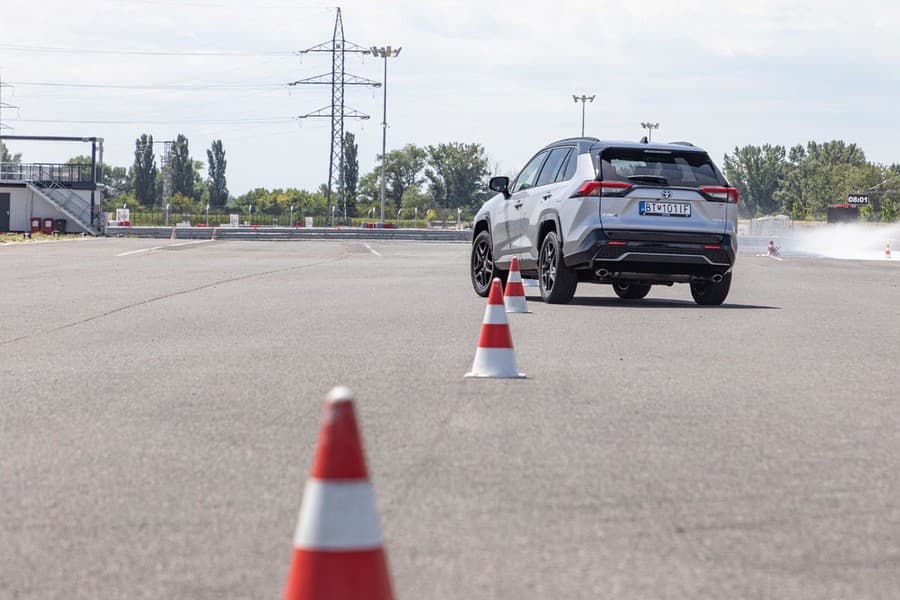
(500, 184)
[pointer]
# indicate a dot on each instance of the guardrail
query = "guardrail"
(290, 233)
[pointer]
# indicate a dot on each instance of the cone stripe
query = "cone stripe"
(515, 288)
(339, 454)
(495, 336)
(339, 576)
(495, 315)
(338, 516)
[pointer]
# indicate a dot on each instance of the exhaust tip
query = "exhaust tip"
(601, 273)
(717, 278)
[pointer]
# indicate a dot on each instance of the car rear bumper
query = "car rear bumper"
(655, 252)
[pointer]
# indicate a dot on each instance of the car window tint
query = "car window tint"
(680, 169)
(552, 166)
(568, 170)
(529, 174)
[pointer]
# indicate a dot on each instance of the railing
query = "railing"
(45, 172)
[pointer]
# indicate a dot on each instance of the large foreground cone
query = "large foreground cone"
(494, 356)
(338, 553)
(514, 297)
(887, 250)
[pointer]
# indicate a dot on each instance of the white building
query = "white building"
(44, 191)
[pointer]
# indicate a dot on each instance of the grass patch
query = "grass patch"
(18, 238)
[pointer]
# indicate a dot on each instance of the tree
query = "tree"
(351, 173)
(7, 157)
(218, 186)
(822, 174)
(403, 171)
(115, 181)
(143, 172)
(757, 172)
(182, 168)
(456, 173)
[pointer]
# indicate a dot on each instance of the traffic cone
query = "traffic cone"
(215, 231)
(770, 251)
(514, 297)
(887, 251)
(173, 236)
(338, 552)
(494, 356)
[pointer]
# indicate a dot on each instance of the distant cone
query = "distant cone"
(514, 297)
(494, 356)
(215, 233)
(338, 550)
(887, 250)
(770, 251)
(173, 236)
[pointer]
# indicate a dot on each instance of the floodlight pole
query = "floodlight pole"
(649, 127)
(384, 52)
(584, 99)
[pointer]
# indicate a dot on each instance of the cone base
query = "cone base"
(495, 362)
(483, 376)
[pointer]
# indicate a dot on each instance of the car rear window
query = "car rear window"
(659, 167)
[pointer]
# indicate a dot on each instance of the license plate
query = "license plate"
(665, 209)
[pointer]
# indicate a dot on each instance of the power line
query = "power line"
(170, 87)
(241, 121)
(223, 5)
(124, 52)
(4, 105)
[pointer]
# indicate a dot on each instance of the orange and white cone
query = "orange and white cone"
(770, 251)
(514, 297)
(494, 356)
(215, 233)
(173, 236)
(338, 550)
(887, 250)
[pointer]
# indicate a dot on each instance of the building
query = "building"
(43, 191)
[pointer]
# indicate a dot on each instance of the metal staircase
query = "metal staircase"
(69, 203)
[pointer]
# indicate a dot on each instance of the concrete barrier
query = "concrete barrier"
(288, 233)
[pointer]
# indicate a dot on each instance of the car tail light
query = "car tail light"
(712, 247)
(617, 243)
(721, 194)
(602, 188)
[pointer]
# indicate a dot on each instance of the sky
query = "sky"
(720, 74)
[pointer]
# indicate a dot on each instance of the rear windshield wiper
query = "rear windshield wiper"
(649, 179)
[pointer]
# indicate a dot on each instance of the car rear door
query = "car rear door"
(661, 190)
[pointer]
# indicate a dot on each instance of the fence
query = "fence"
(158, 217)
(46, 172)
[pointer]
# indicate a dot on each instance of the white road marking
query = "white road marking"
(142, 250)
(371, 249)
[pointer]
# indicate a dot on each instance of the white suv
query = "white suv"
(632, 215)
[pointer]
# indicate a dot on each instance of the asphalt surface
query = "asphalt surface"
(158, 413)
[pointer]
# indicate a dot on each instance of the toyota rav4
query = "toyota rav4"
(632, 215)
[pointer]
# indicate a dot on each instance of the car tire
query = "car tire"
(631, 291)
(709, 293)
(482, 268)
(557, 282)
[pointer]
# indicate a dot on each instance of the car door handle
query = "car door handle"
(518, 204)
(547, 196)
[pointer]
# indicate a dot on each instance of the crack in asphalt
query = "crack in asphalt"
(170, 295)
